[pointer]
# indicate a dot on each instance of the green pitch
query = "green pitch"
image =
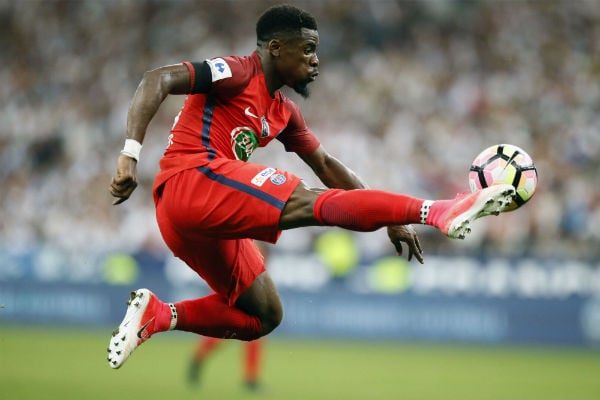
(53, 364)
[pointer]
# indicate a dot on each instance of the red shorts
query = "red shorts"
(209, 215)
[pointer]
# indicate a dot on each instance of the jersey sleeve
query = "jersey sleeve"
(296, 137)
(227, 76)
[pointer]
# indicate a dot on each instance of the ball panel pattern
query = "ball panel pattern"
(508, 164)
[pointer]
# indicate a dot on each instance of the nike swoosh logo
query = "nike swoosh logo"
(141, 331)
(249, 113)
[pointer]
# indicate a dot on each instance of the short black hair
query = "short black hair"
(283, 19)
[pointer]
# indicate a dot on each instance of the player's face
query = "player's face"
(298, 63)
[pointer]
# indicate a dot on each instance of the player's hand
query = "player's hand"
(125, 182)
(399, 234)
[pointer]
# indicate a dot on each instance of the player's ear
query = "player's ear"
(274, 47)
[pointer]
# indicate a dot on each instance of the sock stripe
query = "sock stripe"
(425, 207)
(173, 316)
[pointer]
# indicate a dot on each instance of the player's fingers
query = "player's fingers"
(410, 254)
(122, 189)
(398, 246)
(125, 182)
(414, 248)
(121, 197)
(418, 244)
(418, 254)
(116, 191)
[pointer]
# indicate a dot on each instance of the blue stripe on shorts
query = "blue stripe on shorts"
(242, 187)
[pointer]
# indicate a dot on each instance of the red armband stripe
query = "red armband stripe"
(192, 70)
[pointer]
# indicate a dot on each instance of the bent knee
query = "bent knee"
(262, 301)
(271, 320)
(298, 210)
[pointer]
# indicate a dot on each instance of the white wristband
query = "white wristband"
(132, 149)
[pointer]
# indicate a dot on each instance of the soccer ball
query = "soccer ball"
(508, 164)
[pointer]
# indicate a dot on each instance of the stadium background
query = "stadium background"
(409, 93)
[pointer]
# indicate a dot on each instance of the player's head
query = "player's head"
(290, 36)
(283, 20)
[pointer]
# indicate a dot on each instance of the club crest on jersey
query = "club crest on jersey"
(243, 142)
(219, 69)
(265, 127)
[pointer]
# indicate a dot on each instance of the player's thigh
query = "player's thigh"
(229, 266)
(298, 210)
(228, 199)
(236, 270)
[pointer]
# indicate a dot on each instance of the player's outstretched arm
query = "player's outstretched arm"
(331, 171)
(154, 87)
(334, 174)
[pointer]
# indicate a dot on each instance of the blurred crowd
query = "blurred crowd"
(409, 93)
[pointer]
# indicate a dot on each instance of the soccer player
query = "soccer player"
(211, 201)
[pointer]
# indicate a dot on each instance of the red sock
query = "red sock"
(212, 316)
(205, 346)
(366, 210)
(437, 211)
(252, 360)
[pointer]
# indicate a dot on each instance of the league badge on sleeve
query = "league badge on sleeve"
(278, 179)
(219, 69)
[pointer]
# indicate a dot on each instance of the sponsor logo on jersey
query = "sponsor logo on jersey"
(219, 69)
(278, 179)
(244, 142)
(262, 176)
(250, 113)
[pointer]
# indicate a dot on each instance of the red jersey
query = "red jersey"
(229, 114)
